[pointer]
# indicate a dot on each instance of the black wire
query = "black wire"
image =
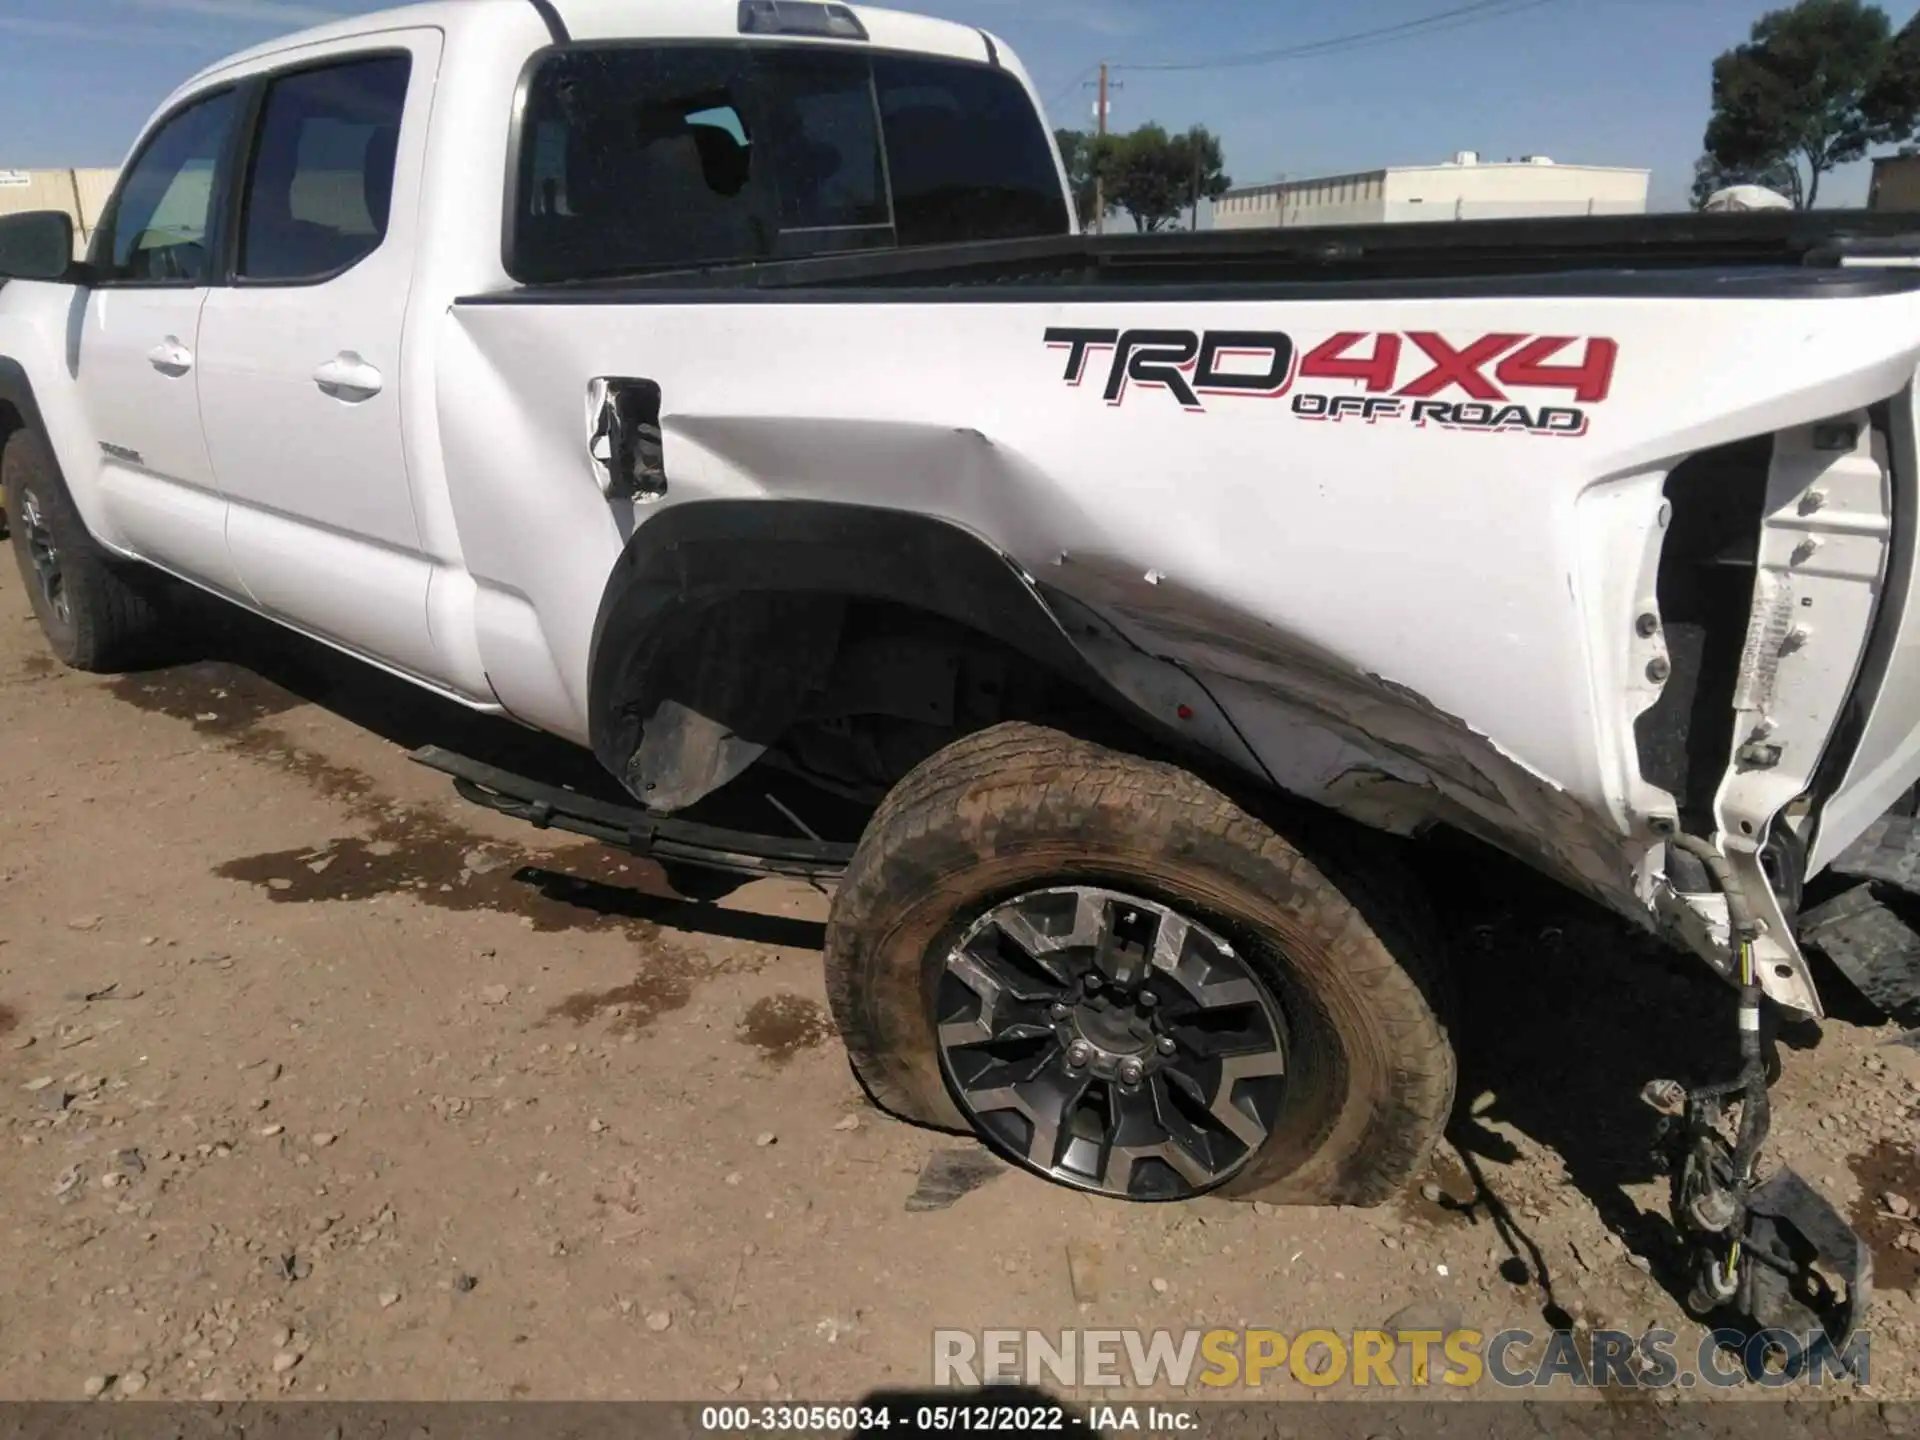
(1071, 86)
(1472, 14)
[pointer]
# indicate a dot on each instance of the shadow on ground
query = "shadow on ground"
(1566, 1013)
(243, 672)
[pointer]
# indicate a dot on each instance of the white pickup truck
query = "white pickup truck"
(724, 385)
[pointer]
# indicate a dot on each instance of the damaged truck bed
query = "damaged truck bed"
(1572, 534)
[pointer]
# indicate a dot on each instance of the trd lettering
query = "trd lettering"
(1187, 364)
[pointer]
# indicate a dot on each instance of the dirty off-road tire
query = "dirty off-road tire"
(97, 613)
(1048, 834)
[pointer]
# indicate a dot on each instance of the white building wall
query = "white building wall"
(1508, 191)
(1357, 199)
(1471, 191)
(82, 194)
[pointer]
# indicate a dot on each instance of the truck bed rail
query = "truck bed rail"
(1641, 249)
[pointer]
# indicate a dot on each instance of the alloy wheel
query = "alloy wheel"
(44, 556)
(1110, 1043)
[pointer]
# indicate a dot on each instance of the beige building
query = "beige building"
(1464, 188)
(81, 193)
(1896, 181)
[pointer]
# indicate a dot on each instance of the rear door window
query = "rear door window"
(659, 157)
(322, 175)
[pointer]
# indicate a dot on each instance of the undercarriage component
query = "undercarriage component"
(1774, 1253)
(1873, 945)
(1887, 850)
(737, 852)
(1806, 1270)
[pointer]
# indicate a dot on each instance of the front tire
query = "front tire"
(1124, 982)
(96, 613)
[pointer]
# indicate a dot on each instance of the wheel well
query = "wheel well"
(728, 623)
(10, 421)
(848, 692)
(17, 408)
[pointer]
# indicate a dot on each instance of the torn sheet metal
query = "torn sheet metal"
(1365, 745)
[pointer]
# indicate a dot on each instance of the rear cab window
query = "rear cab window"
(646, 157)
(321, 182)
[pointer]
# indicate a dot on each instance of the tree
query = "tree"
(1207, 164)
(1892, 102)
(1813, 86)
(1154, 175)
(1087, 157)
(1148, 173)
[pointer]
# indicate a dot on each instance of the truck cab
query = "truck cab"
(253, 402)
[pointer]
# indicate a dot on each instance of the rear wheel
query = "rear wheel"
(97, 613)
(1122, 981)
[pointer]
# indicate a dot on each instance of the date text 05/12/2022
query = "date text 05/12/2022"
(963, 1418)
(1489, 383)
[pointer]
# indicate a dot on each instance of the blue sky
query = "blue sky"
(1609, 82)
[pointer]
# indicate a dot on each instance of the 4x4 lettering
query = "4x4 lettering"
(1458, 367)
(1329, 360)
(1589, 381)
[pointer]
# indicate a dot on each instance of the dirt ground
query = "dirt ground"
(316, 1081)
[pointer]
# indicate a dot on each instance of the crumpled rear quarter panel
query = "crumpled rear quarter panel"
(1404, 617)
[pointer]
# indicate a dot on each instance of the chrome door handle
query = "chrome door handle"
(170, 357)
(348, 377)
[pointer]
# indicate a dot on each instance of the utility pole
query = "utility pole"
(1193, 142)
(1100, 133)
(79, 206)
(1099, 177)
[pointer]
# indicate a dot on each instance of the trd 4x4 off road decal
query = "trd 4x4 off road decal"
(1488, 383)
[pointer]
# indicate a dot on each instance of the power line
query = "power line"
(1476, 13)
(1073, 86)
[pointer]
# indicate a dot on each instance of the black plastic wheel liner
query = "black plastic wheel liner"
(810, 556)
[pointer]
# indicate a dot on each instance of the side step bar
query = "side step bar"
(628, 827)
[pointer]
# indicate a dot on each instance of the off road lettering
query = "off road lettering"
(1369, 408)
(1482, 415)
